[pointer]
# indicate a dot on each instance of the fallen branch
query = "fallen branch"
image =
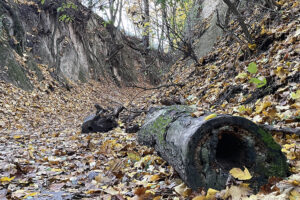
(284, 130)
(271, 87)
(158, 87)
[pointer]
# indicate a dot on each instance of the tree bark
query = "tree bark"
(165, 24)
(146, 33)
(203, 151)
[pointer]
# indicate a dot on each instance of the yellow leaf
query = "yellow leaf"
(211, 193)
(284, 150)
(262, 106)
(210, 116)
(281, 72)
(133, 156)
(288, 146)
(296, 105)
(17, 136)
(240, 174)
(7, 179)
(294, 195)
(296, 182)
(295, 95)
(199, 198)
(31, 195)
(263, 30)
(252, 46)
(242, 76)
(56, 170)
(155, 177)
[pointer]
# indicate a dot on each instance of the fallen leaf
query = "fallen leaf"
(295, 95)
(155, 177)
(210, 116)
(183, 190)
(211, 193)
(240, 174)
(6, 179)
(252, 46)
(252, 68)
(31, 195)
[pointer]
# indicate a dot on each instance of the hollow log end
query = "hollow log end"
(228, 142)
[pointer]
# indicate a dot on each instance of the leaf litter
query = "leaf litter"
(43, 154)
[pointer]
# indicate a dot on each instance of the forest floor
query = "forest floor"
(44, 155)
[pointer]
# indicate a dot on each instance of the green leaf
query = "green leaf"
(59, 9)
(252, 68)
(259, 82)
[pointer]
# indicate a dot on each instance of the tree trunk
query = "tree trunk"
(166, 24)
(203, 151)
(146, 33)
(240, 19)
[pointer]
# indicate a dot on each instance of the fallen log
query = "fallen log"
(203, 151)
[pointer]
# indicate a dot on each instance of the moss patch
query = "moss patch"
(268, 140)
(32, 66)
(278, 166)
(81, 76)
(159, 127)
(17, 74)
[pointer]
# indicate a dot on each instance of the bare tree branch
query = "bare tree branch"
(240, 19)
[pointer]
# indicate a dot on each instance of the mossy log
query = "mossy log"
(203, 151)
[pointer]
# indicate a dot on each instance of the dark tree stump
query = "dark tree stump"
(97, 123)
(102, 121)
(203, 151)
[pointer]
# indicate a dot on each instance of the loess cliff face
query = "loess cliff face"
(87, 47)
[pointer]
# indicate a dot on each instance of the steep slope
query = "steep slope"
(84, 47)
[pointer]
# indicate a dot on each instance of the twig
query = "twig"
(115, 52)
(240, 19)
(158, 87)
(284, 130)
(219, 24)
